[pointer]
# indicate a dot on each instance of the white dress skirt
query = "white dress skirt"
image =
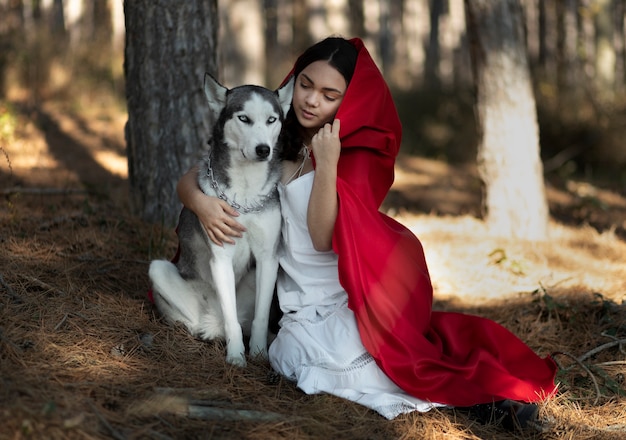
(318, 345)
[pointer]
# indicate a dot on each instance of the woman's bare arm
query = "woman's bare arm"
(216, 216)
(323, 204)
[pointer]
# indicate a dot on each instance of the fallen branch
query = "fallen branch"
(610, 428)
(43, 285)
(199, 410)
(114, 433)
(610, 363)
(42, 191)
(621, 349)
(584, 367)
(597, 350)
(205, 409)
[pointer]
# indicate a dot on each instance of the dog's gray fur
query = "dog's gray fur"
(215, 291)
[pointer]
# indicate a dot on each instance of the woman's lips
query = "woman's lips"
(307, 114)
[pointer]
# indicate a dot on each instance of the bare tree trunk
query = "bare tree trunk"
(169, 47)
(547, 38)
(357, 18)
(11, 30)
(301, 35)
(431, 64)
(566, 46)
(242, 43)
(273, 51)
(508, 154)
(531, 19)
(619, 10)
(605, 50)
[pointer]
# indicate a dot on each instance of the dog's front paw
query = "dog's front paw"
(258, 345)
(238, 360)
(258, 351)
(236, 353)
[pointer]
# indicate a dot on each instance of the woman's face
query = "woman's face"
(318, 91)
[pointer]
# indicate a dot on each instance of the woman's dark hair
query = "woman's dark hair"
(340, 54)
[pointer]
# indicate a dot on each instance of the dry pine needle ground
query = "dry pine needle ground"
(83, 354)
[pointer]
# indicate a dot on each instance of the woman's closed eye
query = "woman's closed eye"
(332, 97)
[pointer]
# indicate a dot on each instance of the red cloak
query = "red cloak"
(442, 357)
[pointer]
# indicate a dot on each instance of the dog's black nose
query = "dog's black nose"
(263, 151)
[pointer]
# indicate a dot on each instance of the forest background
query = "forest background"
(83, 354)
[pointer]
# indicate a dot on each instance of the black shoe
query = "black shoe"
(510, 414)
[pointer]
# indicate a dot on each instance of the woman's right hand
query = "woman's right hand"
(215, 215)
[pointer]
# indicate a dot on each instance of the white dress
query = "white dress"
(318, 345)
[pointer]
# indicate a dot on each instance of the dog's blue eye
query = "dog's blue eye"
(244, 119)
(271, 119)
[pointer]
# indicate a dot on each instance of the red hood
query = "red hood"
(441, 357)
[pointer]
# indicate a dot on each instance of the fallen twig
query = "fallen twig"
(621, 349)
(6, 155)
(114, 433)
(14, 296)
(597, 350)
(199, 410)
(584, 367)
(611, 363)
(56, 327)
(43, 285)
(205, 409)
(42, 191)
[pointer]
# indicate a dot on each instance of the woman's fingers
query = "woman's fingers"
(221, 226)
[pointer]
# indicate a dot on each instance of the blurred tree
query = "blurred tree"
(169, 47)
(508, 152)
(10, 26)
(619, 12)
(242, 43)
(566, 37)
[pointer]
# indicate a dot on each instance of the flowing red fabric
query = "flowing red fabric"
(442, 357)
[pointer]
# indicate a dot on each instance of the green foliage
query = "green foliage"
(8, 122)
(498, 257)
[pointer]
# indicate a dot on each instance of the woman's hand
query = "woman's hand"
(326, 146)
(215, 215)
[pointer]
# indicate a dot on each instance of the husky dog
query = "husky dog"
(215, 291)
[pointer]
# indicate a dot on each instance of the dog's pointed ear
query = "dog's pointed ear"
(285, 94)
(215, 94)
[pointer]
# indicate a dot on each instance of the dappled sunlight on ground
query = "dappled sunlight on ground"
(465, 261)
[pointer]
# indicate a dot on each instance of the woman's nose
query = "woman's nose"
(312, 99)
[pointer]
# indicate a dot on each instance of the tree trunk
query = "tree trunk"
(242, 43)
(508, 152)
(169, 47)
(619, 38)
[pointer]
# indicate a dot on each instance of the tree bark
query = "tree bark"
(508, 151)
(169, 47)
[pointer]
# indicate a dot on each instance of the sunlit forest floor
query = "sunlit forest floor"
(83, 354)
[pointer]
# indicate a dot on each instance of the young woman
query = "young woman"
(354, 286)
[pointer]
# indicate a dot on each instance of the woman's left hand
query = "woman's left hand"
(326, 146)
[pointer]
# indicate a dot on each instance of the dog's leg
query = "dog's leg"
(174, 297)
(266, 273)
(224, 279)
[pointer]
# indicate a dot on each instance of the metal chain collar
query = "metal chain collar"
(245, 209)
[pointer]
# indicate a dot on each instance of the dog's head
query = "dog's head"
(249, 118)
